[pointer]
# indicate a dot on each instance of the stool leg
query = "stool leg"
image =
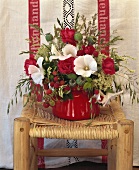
(21, 143)
(120, 150)
(112, 144)
(125, 145)
(33, 154)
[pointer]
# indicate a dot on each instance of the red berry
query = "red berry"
(56, 85)
(56, 78)
(52, 84)
(45, 86)
(67, 88)
(62, 82)
(49, 91)
(54, 73)
(46, 105)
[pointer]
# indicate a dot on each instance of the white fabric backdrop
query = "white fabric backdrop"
(13, 31)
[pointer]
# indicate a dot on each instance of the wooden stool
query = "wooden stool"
(37, 121)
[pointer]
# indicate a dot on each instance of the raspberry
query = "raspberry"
(56, 78)
(54, 73)
(45, 86)
(49, 91)
(67, 88)
(52, 84)
(56, 85)
(46, 105)
(62, 82)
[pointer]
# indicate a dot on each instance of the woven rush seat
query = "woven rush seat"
(36, 121)
(46, 125)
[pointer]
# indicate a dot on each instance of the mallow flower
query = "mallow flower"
(68, 51)
(37, 73)
(85, 65)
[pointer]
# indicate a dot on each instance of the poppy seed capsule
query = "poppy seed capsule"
(48, 37)
(78, 36)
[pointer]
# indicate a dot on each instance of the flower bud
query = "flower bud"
(78, 36)
(48, 37)
(91, 40)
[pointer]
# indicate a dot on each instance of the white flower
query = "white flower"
(85, 65)
(68, 51)
(37, 74)
(54, 51)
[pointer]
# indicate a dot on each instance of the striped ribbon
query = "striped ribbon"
(34, 19)
(104, 28)
(34, 44)
(104, 22)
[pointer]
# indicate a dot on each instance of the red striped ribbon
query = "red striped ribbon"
(34, 18)
(104, 22)
(104, 28)
(34, 44)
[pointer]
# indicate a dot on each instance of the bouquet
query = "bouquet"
(75, 58)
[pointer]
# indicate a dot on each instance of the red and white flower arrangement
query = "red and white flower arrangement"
(75, 58)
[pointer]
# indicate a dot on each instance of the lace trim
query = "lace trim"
(68, 13)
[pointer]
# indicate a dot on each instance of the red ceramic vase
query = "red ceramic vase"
(76, 109)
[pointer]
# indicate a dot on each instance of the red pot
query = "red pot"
(76, 109)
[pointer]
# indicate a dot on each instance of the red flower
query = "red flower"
(95, 53)
(80, 53)
(86, 50)
(89, 49)
(66, 66)
(108, 66)
(28, 62)
(68, 36)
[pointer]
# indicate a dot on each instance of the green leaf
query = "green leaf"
(26, 52)
(37, 28)
(52, 102)
(72, 76)
(109, 90)
(12, 101)
(88, 79)
(16, 100)
(87, 86)
(20, 93)
(61, 24)
(80, 81)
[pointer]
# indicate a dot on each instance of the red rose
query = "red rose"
(95, 53)
(89, 49)
(66, 66)
(28, 62)
(108, 66)
(80, 53)
(68, 36)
